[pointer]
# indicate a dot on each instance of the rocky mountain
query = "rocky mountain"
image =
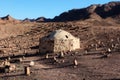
(43, 19)
(28, 20)
(110, 9)
(8, 18)
(39, 19)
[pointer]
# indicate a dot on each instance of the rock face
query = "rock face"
(75, 14)
(108, 10)
(104, 11)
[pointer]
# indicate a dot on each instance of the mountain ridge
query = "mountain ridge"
(94, 11)
(110, 9)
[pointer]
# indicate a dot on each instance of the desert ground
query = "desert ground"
(95, 61)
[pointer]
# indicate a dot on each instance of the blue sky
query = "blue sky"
(21, 9)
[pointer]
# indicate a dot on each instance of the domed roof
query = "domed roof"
(60, 34)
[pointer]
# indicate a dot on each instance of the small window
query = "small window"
(66, 36)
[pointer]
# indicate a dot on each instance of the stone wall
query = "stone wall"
(58, 45)
(46, 46)
(63, 45)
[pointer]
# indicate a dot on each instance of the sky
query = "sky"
(21, 9)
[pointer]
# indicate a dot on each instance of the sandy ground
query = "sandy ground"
(91, 65)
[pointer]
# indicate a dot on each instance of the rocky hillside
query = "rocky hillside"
(8, 18)
(110, 9)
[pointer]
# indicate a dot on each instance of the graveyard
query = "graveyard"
(97, 58)
(63, 48)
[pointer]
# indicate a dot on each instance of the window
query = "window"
(66, 36)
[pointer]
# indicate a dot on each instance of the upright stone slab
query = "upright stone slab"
(27, 70)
